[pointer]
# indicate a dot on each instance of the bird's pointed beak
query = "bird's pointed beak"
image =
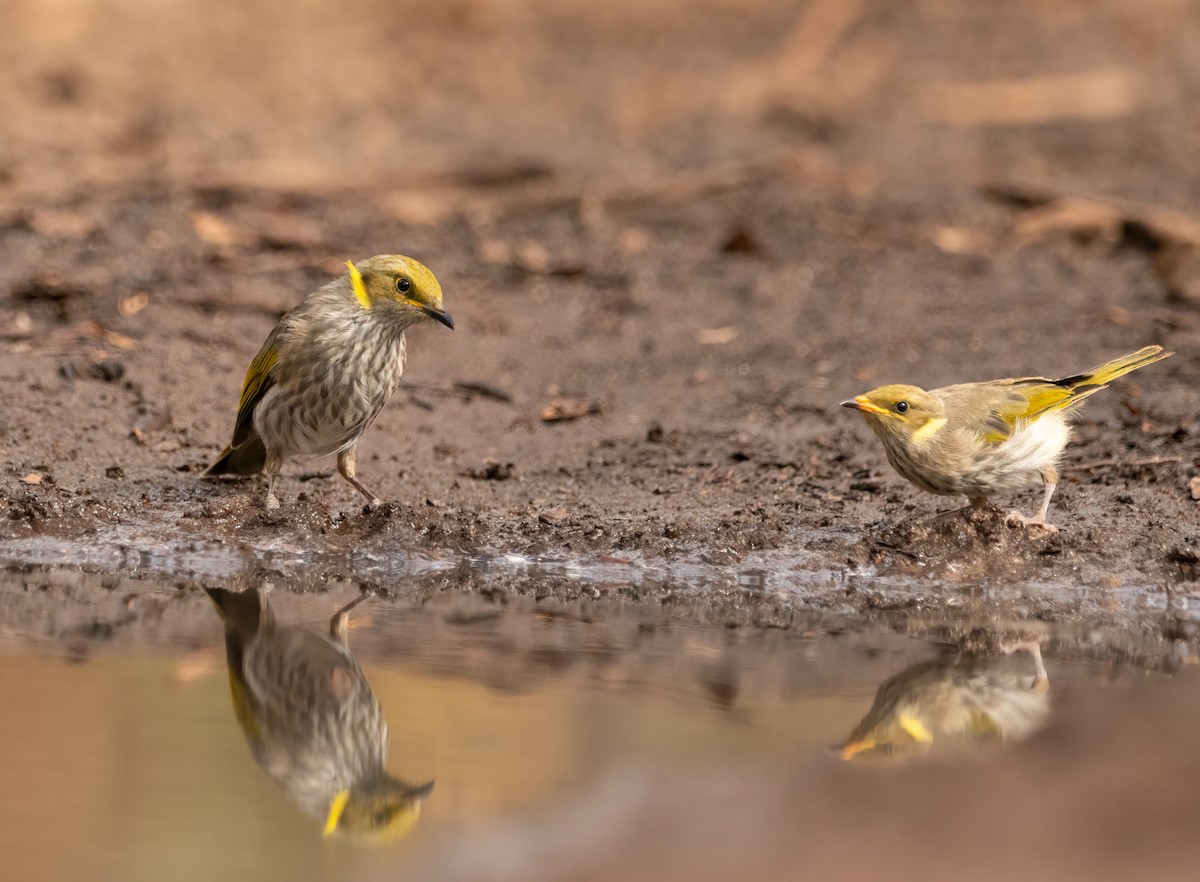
(866, 405)
(851, 749)
(439, 315)
(421, 791)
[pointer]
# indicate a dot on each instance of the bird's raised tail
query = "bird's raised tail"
(248, 458)
(1118, 367)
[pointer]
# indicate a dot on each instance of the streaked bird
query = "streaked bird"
(328, 368)
(312, 721)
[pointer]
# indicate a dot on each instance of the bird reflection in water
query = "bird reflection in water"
(960, 698)
(312, 721)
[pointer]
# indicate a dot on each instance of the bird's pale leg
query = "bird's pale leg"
(340, 623)
(1041, 680)
(346, 468)
(1039, 519)
(272, 470)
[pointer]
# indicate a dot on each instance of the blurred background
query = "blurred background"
(674, 234)
(907, 97)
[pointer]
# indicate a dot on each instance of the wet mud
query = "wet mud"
(673, 239)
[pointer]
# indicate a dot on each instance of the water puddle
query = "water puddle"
(123, 733)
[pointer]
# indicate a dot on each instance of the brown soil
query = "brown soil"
(707, 223)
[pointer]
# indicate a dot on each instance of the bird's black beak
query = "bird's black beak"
(422, 791)
(439, 315)
(866, 405)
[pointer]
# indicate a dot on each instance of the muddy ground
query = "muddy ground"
(694, 227)
(699, 225)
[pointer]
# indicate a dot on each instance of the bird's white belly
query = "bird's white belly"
(1030, 453)
(965, 465)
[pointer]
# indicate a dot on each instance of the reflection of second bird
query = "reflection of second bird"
(311, 719)
(952, 697)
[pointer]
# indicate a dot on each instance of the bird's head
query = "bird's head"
(395, 282)
(900, 412)
(898, 733)
(376, 812)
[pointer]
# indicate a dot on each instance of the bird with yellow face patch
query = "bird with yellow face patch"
(979, 439)
(955, 697)
(328, 368)
(312, 721)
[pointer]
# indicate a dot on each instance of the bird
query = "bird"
(327, 369)
(311, 719)
(980, 439)
(955, 697)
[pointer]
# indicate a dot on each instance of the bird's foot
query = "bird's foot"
(1041, 680)
(1037, 522)
(374, 503)
(272, 502)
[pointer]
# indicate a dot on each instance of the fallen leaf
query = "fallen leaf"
(68, 224)
(956, 240)
(217, 231)
(532, 257)
(32, 478)
(133, 304)
(741, 241)
(482, 389)
(1098, 94)
(563, 409)
(716, 336)
(491, 471)
(1178, 268)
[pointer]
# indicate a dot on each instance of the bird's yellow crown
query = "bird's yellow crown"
(397, 278)
(385, 813)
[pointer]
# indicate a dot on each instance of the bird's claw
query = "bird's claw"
(1016, 519)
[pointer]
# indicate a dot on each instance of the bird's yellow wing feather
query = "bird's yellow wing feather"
(1027, 400)
(1011, 402)
(259, 378)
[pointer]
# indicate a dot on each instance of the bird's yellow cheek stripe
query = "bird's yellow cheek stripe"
(360, 290)
(931, 428)
(335, 811)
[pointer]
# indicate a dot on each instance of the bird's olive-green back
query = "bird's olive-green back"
(994, 409)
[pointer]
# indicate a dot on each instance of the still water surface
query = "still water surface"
(122, 758)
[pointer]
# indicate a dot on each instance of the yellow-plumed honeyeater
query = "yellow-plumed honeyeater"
(954, 697)
(328, 368)
(312, 721)
(979, 439)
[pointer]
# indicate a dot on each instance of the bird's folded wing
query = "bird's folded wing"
(995, 410)
(259, 378)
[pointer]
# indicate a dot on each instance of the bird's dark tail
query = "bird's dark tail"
(248, 458)
(245, 613)
(242, 611)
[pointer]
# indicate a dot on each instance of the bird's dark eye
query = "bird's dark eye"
(382, 818)
(403, 285)
(901, 407)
